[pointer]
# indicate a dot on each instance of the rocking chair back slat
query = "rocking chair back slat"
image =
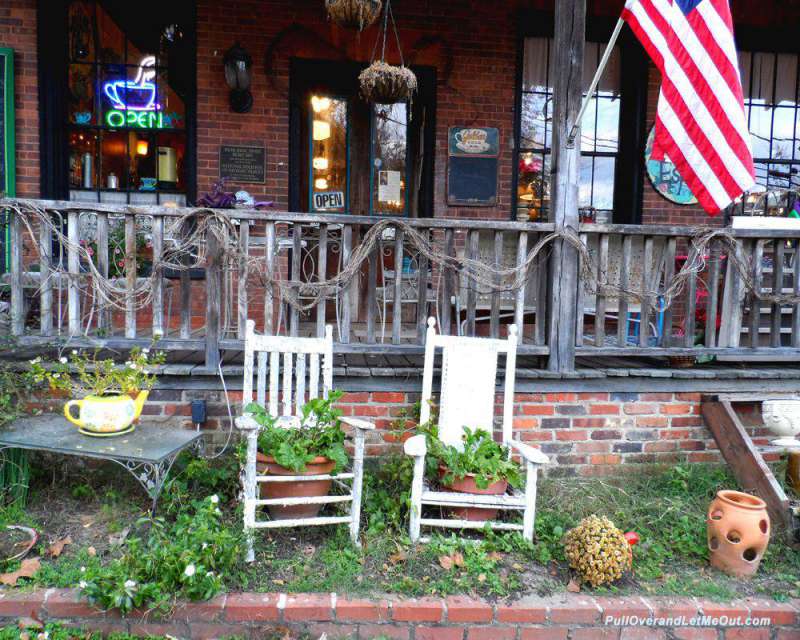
(301, 383)
(274, 387)
(313, 376)
(287, 384)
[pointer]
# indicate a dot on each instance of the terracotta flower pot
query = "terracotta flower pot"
(467, 485)
(738, 532)
(269, 490)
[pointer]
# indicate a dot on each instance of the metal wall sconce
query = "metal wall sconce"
(237, 64)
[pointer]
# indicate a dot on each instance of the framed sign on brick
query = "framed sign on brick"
(472, 159)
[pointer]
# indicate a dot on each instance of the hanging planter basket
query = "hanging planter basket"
(384, 83)
(353, 14)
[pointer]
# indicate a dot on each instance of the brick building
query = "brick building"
(486, 66)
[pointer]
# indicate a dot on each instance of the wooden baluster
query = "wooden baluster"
(712, 301)
(669, 274)
(422, 291)
(624, 284)
(519, 302)
(287, 383)
(130, 276)
(647, 277)
(372, 286)
(472, 292)
(186, 303)
(494, 315)
(296, 275)
(448, 283)
(300, 375)
(397, 307)
(269, 293)
(543, 273)
(322, 275)
(347, 294)
(17, 291)
(46, 274)
(691, 300)
(754, 320)
(213, 299)
(261, 382)
(796, 292)
(602, 278)
(74, 269)
(778, 257)
(158, 277)
(241, 289)
(313, 376)
(274, 382)
(580, 299)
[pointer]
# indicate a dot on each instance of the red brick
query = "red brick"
(352, 397)
(362, 610)
(560, 397)
(673, 607)
(418, 610)
(462, 609)
(148, 629)
(641, 633)
(781, 613)
(310, 606)
(207, 611)
(522, 613)
(676, 409)
(438, 633)
(572, 435)
(491, 633)
(692, 421)
(593, 395)
(592, 447)
(595, 633)
(21, 605)
(747, 633)
(689, 397)
(525, 423)
(693, 633)
(369, 631)
(328, 630)
(638, 408)
(66, 603)
(605, 458)
(652, 421)
(623, 606)
(603, 409)
(543, 633)
(786, 634)
(589, 423)
(538, 409)
(575, 611)
(251, 607)
(655, 397)
(388, 396)
(210, 631)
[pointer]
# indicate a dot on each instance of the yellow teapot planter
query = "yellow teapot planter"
(106, 415)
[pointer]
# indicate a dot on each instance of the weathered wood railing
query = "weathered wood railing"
(384, 307)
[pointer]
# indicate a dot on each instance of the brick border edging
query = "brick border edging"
(452, 618)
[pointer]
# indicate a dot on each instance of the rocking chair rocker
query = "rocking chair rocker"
(296, 388)
(467, 399)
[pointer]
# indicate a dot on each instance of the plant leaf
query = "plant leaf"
(27, 569)
(573, 586)
(57, 548)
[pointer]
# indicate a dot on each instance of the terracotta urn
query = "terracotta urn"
(467, 485)
(266, 465)
(738, 530)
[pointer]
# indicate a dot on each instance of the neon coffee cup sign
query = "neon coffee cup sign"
(133, 102)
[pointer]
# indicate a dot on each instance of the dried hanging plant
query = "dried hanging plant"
(353, 14)
(385, 83)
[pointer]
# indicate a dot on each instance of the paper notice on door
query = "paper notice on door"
(389, 186)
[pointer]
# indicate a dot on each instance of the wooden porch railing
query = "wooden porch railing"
(54, 298)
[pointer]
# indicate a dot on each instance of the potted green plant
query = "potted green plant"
(108, 397)
(479, 466)
(313, 447)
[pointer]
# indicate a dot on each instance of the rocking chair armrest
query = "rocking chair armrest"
(528, 453)
(246, 422)
(416, 446)
(357, 423)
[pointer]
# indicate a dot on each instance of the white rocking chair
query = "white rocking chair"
(294, 390)
(467, 399)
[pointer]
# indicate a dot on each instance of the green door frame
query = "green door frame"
(9, 145)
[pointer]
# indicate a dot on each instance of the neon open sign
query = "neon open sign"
(134, 101)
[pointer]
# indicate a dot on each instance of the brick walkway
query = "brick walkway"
(563, 616)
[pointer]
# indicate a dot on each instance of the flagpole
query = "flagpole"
(600, 68)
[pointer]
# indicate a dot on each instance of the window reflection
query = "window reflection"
(328, 166)
(389, 150)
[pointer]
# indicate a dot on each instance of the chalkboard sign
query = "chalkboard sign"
(472, 166)
(8, 176)
(242, 164)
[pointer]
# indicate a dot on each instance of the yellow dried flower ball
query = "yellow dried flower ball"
(597, 550)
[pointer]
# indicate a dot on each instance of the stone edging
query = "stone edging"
(573, 616)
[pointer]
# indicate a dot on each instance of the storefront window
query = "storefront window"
(599, 133)
(771, 90)
(389, 159)
(126, 121)
(328, 183)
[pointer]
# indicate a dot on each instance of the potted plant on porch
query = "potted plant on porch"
(479, 466)
(108, 397)
(308, 445)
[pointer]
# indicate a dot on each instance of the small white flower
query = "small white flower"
(214, 499)
(82, 584)
(83, 569)
(209, 574)
(62, 360)
(217, 511)
(189, 571)
(74, 352)
(130, 584)
(56, 375)
(145, 351)
(205, 545)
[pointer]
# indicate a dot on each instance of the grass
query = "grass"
(665, 506)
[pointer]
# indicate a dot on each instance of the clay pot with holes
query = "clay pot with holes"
(738, 532)
(467, 484)
(266, 465)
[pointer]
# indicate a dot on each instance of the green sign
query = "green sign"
(137, 119)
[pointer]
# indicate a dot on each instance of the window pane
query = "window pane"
(170, 152)
(786, 79)
(783, 133)
(535, 64)
(171, 105)
(763, 72)
(389, 158)
(112, 40)
(603, 189)
(113, 158)
(81, 34)
(608, 124)
(587, 126)
(81, 145)
(760, 130)
(328, 168)
(533, 124)
(585, 182)
(81, 94)
(530, 183)
(782, 176)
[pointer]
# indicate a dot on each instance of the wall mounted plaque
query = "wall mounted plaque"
(242, 164)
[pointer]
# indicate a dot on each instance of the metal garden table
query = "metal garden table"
(146, 453)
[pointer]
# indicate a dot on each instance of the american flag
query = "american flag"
(700, 122)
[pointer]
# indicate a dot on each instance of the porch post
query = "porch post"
(568, 47)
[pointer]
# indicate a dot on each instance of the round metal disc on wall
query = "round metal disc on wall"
(665, 178)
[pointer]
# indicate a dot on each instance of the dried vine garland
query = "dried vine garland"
(188, 238)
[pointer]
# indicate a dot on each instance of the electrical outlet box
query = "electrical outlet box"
(198, 411)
